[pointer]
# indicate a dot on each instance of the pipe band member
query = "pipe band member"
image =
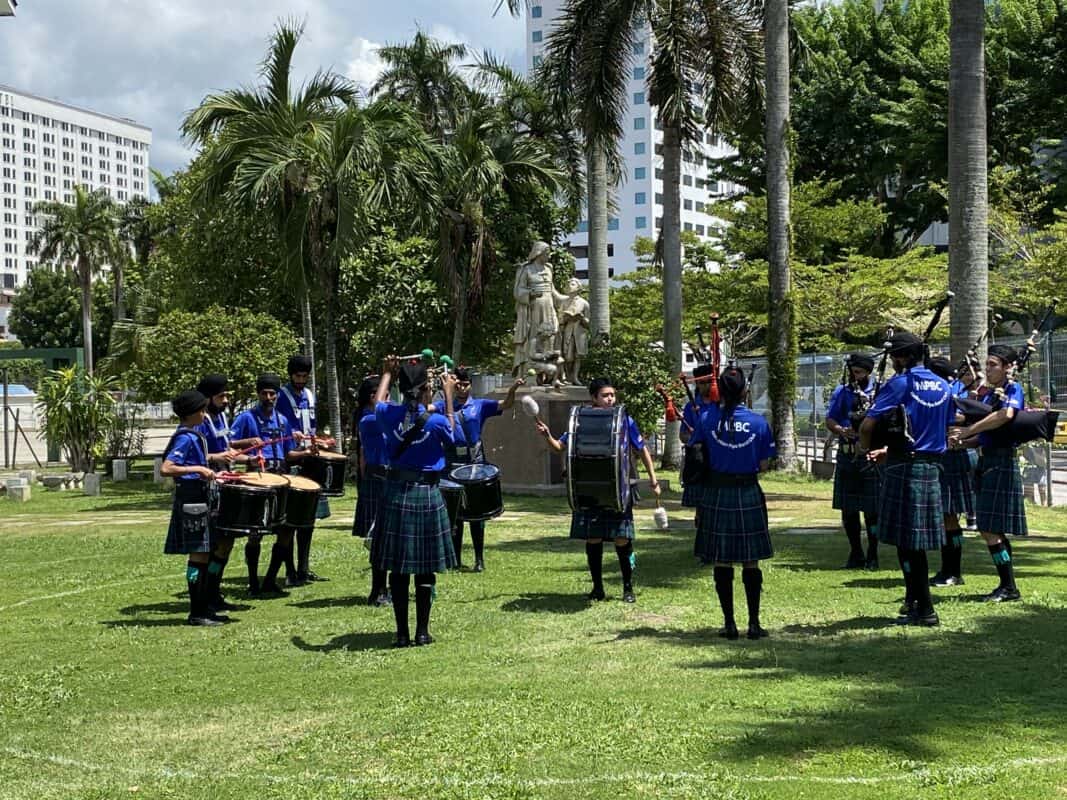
(702, 378)
(596, 525)
(372, 466)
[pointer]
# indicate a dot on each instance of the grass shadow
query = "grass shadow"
(332, 602)
(377, 640)
(548, 602)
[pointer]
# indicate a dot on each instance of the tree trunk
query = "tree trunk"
(309, 336)
(968, 203)
(117, 273)
(781, 328)
(599, 303)
(333, 385)
(460, 323)
(86, 279)
(671, 236)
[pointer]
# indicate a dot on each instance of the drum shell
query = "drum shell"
(326, 470)
(301, 506)
(598, 459)
(245, 510)
(453, 495)
(483, 497)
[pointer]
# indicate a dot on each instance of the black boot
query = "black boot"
(626, 566)
(850, 520)
(424, 589)
(478, 540)
(724, 588)
(196, 578)
(752, 578)
(594, 556)
(252, 550)
(398, 583)
(1007, 590)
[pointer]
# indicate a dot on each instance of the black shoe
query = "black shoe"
(253, 588)
(479, 566)
(292, 581)
(220, 604)
(1002, 595)
(310, 577)
(628, 595)
(402, 641)
(940, 580)
(383, 599)
(272, 587)
(855, 562)
(756, 632)
(928, 620)
(872, 564)
(908, 613)
(423, 639)
(204, 622)
(729, 632)
(220, 618)
(596, 594)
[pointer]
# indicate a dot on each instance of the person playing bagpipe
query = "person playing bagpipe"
(998, 481)
(372, 468)
(703, 375)
(732, 526)
(186, 459)
(857, 482)
(412, 534)
(597, 524)
(916, 408)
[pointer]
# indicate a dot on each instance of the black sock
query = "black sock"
(951, 552)
(287, 556)
(752, 578)
(377, 582)
(724, 588)
(872, 537)
(252, 550)
(279, 554)
(196, 578)
(920, 580)
(956, 543)
(424, 587)
(851, 522)
(1001, 553)
(594, 556)
(457, 542)
(478, 540)
(398, 584)
(303, 550)
(625, 564)
(214, 579)
(905, 568)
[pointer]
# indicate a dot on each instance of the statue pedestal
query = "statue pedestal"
(512, 443)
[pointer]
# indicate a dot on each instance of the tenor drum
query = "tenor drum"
(481, 489)
(324, 467)
(598, 459)
(245, 509)
(275, 483)
(303, 501)
(453, 497)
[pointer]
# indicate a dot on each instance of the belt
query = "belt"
(414, 476)
(911, 455)
(723, 479)
(377, 471)
(1004, 452)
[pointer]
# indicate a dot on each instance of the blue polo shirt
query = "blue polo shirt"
(470, 416)
(927, 401)
(842, 401)
(693, 410)
(958, 389)
(216, 429)
(734, 445)
(1013, 398)
(427, 452)
(187, 450)
(255, 422)
(298, 408)
(372, 441)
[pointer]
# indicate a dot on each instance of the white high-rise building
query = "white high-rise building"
(46, 149)
(639, 197)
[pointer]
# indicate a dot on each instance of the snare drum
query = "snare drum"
(326, 468)
(481, 490)
(598, 459)
(453, 497)
(274, 483)
(244, 509)
(302, 503)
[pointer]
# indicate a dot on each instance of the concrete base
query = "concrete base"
(91, 484)
(157, 473)
(59, 483)
(120, 470)
(19, 493)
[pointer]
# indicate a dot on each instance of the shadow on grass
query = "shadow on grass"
(154, 608)
(332, 602)
(170, 622)
(348, 641)
(548, 602)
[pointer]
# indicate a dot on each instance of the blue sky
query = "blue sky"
(153, 60)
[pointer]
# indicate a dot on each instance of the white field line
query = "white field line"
(83, 590)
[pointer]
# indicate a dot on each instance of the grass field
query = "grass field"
(530, 691)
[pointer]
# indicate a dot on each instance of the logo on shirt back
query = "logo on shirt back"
(736, 426)
(930, 386)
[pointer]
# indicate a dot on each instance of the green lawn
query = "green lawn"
(529, 691)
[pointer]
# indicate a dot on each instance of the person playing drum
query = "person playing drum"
(596, 525)
(262, 422)
(297, 404)
(412, 535)
(471, 414)
(372, 467)
(732, 523)
(186, 460)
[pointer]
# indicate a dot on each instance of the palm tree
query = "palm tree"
(781, 328)
(81, 235)
(249, 136)
(968, 207)
(135, 231)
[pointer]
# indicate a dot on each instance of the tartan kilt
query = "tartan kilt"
(732, 525)
(179, 538)
(856, 489)
(691, 493)
(411, 534)
(957, 482)
(999, 493)
(910, 516)
(368, 500)
(602, 524)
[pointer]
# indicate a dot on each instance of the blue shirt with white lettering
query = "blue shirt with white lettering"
(427, 452)
(187, 450)
(927, 401)
(216, 429)
(372, 441)
(256, 422)
(735, 444)
(1013, 398)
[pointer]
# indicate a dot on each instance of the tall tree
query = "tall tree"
(968, 192)
(781, 329)
(81, 236)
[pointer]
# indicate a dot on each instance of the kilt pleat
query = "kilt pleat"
(368, 501)
(999, 494)
(957, 482)
(732, 525)
(691, 493)
(600, 524)
(180, 539)
(857, 486)
(411, 532)
(910, 515)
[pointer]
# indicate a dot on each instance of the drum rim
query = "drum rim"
(268, 479)
(249, 488)
(479, 465)
(296, 487)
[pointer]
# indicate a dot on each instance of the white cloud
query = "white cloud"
(364, 63)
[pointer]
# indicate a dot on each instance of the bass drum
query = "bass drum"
(324, 467)
(242, 510)
(302, 503)
(598, 459)
(481, 489)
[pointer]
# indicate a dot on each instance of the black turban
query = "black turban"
(701, 370)
(732, 384)
(299, 364)
(211, 385)
(412, 377)
(1009, 355)
(268, 381)
(861, 360)
(188, 403)
(942, 367)
(906, 345)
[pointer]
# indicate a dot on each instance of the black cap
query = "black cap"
(732, 383)
(188, 403)
(268, 381)
(597, 384)
(412, 377)
(906, 345)
(861, 360)
(211, 385)
(299, 363)
(941, 367)
(1006, 353)
(701, 370)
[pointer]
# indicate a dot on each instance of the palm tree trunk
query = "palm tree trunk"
(599, 308)
(86, 279)
(781, 329)
(671, 236)
(309, 336)
(459, 307)
(333, 385)
(968, 202)
(117, 272)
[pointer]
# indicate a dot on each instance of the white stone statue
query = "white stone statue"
(536, 298)
(574, 322)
